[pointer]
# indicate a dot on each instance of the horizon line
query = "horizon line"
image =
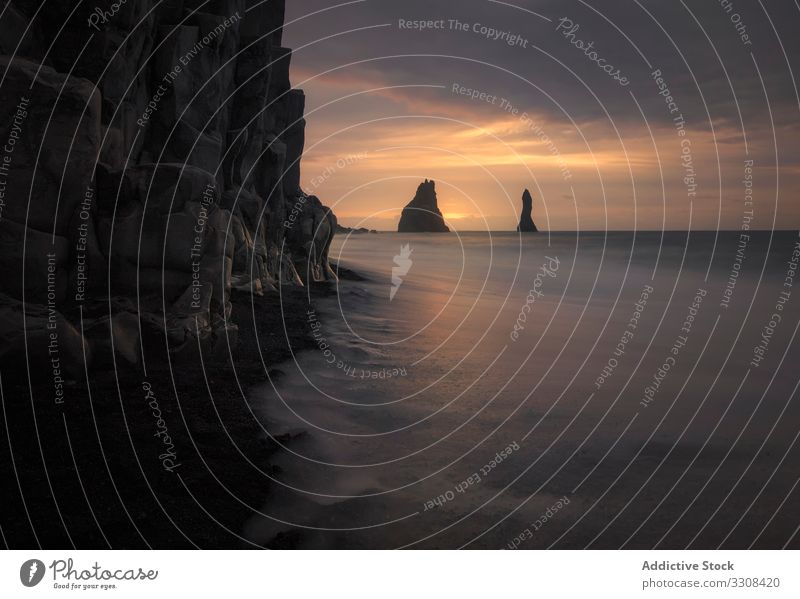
(584, 231)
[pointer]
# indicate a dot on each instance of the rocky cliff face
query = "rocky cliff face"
(149, 166)
(526, 224)
(422, 214)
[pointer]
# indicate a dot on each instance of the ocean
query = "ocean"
(498, 390)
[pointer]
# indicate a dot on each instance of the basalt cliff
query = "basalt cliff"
(422, 214)
(149, 168)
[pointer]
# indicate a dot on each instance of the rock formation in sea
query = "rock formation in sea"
(422, 214)
(526, 224)
(359, 231)
(151, 167)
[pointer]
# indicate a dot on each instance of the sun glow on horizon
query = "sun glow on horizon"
(584, 175)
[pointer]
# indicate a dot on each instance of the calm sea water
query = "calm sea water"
(605, 390)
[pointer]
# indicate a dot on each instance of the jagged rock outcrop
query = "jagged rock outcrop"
(158, 177)
(310, 239)
(352, 231)
(526, 224)
(422, 214)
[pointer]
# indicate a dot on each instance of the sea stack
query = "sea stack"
(422, 214)
(526, 224)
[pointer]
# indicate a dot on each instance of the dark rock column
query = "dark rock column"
(422, 214)
(526, 224)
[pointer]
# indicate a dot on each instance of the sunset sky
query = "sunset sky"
(382, 113)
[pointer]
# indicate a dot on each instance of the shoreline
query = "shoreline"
(182, 459)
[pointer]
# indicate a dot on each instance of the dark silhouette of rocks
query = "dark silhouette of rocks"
(422, 214)
(526, 224)
(155, 171)
(359, 231)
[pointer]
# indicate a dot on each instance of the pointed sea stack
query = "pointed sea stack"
(422, 214)
(526, 224)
